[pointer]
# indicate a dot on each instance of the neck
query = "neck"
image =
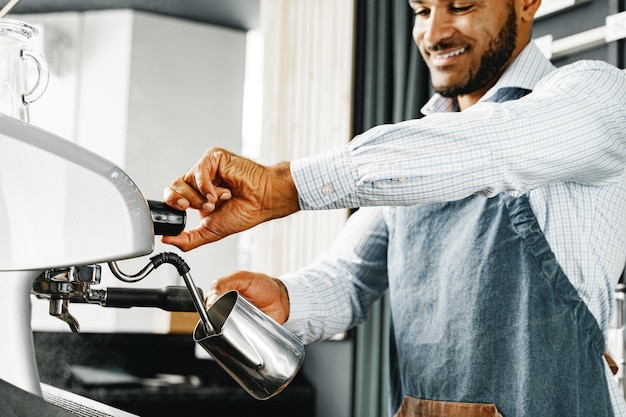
(468, 100)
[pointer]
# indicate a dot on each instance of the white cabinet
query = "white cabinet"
(150, 93)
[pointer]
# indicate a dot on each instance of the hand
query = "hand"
(232, 194)
(267, 293)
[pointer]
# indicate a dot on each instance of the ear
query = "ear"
(529, 8)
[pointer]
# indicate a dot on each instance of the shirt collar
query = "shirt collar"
(525, 71)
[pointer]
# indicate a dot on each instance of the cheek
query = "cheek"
(418, 35)
(415, 33)
(419, 41)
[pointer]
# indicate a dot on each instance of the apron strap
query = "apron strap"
(612, 364)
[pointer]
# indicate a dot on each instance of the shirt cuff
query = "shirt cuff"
(299, 311)
(325, 180)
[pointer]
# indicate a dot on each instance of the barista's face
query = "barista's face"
(466, 44)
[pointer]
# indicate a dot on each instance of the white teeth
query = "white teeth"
(451, 54)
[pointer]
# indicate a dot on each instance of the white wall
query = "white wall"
(150, 93)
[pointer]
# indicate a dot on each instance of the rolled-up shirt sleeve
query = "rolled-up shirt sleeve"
(570, 128)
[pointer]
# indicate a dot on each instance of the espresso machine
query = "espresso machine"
(66, 213)
(61, 207)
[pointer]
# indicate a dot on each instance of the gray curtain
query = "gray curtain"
(391, 85)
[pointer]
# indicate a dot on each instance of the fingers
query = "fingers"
(239, 281)
(267, 293)
(181, 195)
(229, 193)
(181, 241)
(174, 199)
(199, 187)
(223, 193)
(191, 239)
(210, 299)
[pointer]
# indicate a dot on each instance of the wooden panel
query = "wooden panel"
(183, 323)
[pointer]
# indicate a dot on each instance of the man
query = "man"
(504, 237)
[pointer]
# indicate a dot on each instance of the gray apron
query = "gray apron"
(484, 320)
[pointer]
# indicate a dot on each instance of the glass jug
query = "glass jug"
(15, 94)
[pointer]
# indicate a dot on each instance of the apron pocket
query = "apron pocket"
(415, 407)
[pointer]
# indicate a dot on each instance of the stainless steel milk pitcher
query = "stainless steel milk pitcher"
(16, 91)
(260, 354)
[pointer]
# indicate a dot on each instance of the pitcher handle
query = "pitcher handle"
(43, 76)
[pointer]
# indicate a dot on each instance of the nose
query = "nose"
(434, 28)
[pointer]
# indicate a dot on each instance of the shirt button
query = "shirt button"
(402, 179)
(328, 189)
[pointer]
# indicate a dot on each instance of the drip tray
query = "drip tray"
(78, 405)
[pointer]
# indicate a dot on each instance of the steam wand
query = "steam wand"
(183, 271)
(74, 284)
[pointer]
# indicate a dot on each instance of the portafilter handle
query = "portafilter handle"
(167, 221)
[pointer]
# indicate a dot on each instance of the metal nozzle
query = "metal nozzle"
(58, 309)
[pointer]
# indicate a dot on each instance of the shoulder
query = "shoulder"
(586, 80)
(592, 71)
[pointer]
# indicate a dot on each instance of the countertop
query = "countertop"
(156, 375)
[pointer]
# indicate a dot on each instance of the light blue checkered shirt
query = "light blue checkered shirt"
(564, 144)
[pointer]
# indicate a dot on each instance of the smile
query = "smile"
(450, 54)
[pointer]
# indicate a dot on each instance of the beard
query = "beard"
(491, 63)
